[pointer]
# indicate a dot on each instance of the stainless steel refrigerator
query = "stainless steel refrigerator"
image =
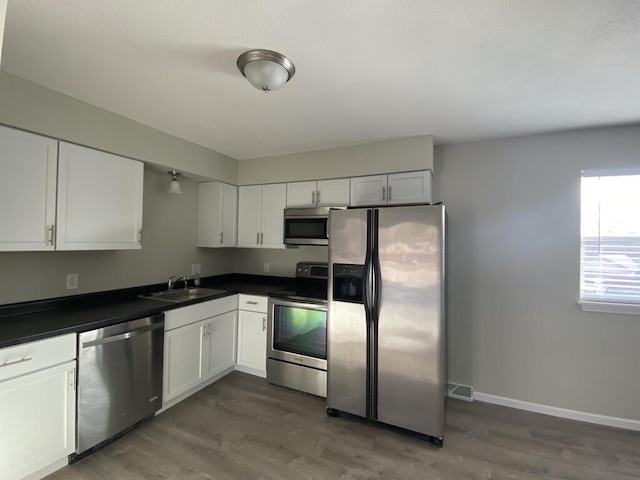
(386, 316)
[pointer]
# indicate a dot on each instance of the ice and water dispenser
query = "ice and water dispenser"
(348, 283)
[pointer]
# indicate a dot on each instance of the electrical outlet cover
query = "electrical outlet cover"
(195, 269)
(72, 281)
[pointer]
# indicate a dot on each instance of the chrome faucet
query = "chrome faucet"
(171, 282)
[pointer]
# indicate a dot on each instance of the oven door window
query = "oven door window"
(307, 228)
(300, 330)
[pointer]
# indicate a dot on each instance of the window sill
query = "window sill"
(605, 307)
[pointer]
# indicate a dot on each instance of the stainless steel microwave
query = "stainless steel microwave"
(306, 226)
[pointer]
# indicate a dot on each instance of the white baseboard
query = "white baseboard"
(251, 371)
(617, 422)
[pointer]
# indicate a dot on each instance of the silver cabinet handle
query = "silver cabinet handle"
(389, 192)
(258, 238)
(15, 362)
(261, 238)
(264, 323)
(252, 303)
(318, 196)
(313, 197)
(384, 193)
(221, 238)
(50, 234)
(140, 236)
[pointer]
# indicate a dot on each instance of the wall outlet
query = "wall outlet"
(195, 269)
(72, 281)
(266, 267)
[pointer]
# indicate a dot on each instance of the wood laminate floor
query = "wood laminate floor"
(243, 428)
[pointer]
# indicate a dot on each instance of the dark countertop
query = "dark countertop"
(30, 321)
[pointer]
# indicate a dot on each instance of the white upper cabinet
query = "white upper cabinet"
(28, 165)
(323, 193)
(261, 215)
(409, 187)
(370, 190)
(99, 200)
(392, 189)
(333, 193)
(217, 215)
(301, 194)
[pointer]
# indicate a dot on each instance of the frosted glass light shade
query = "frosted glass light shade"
(265, 69)
(174, 187)
(266, 75)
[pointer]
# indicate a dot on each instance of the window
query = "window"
(610, 242)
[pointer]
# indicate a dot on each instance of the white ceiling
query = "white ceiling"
(366, 70)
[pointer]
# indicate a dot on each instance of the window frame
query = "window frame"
(603, 306)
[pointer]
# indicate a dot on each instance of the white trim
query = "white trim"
(608, 307)
(616, 422)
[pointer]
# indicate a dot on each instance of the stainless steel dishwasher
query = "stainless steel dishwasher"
(119, 378)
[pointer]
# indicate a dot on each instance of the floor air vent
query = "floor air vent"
(461, 392)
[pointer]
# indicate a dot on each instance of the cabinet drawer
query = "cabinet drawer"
(253, 303)
(194, 313)
(32, 356)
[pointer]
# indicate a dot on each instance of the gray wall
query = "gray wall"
(281, 262)
(402, 155)
(515, 329)
(38, 109)
(170, 236)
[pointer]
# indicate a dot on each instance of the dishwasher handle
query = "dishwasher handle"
(122, 336)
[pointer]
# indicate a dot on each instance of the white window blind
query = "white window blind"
(610, 238)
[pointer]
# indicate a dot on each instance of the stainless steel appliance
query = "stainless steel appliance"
(119, 378)
(386, 326)
(306, 226)
(297, 332)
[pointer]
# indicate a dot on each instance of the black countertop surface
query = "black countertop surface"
(29, 321)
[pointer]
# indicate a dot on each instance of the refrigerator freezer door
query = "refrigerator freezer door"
(346, 322)
(410, 356)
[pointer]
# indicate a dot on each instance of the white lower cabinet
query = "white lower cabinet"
(199, 346)
(37, 407)
(252, 335)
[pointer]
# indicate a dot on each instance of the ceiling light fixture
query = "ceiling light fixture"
(265, 69)
(174, 185)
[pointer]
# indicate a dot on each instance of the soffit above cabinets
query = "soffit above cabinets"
(366, 71)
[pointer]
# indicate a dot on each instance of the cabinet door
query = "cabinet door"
(28, 165)
(217, 214)
(333, 193)
(221, 343)
(38, 420)
(369, 190)
(409, 187)
(228, 213)
(183, 353)
(249, 216)
(99, 200)
(274, 201)
(252, 340)
(301, 194)
(209, 222)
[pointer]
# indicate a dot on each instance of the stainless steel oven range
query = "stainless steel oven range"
(297, 332)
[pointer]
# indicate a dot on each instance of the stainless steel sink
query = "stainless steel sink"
(184, 294)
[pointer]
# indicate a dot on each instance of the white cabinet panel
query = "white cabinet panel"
(333, 193)
(38, 420)
(301, 194)
(369, 190)
(217, 214)
(274, 199)
(249, 216)
(409, 187)
(99, 200)
(252, 340)
(220, 353)
(182, 360)
(261, 215)
(28, 165)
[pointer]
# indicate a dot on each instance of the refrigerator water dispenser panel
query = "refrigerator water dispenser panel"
(348, 282)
